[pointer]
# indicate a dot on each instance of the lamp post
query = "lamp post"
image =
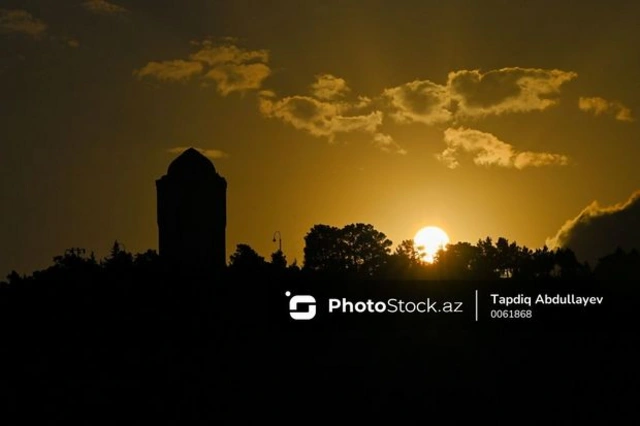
(279, 240)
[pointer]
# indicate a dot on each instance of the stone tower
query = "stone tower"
(192, 214)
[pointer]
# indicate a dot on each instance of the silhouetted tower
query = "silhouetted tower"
(192, 214)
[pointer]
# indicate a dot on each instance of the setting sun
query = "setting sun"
(428, 241)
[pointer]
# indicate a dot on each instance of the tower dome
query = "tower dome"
(192, 214)
(191, 164)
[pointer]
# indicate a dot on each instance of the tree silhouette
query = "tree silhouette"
(356, 249)
(507, 257)
(294, 266)
(323, 250)
(119, 260)
(543, 263)
(366, 248)
(407, 251)
(568, 266)
(73, 258)
(149, 258)
(406, 255)
(457, 261)
(278, 260)
(619, 265)
(486, 264)
(14, 278)
(246, 259)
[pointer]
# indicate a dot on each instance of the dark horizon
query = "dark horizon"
(483, 119)
(192, 220)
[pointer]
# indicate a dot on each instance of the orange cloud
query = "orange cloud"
(176, 70)
(488, 150)
(601, 106)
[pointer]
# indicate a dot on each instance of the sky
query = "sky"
(513, 119)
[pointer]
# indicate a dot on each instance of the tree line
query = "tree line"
(360, 251)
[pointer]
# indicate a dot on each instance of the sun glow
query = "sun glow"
(428, 241)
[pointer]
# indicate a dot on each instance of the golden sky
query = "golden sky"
(486, 118)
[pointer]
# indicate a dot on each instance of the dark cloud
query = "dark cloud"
(419, 101)
(485, 90)
(471, 93)
(598, 231)
(233, 69)
(102, 7)
(506, 90)
(21, 21)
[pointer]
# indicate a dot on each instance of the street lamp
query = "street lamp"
(279, 240)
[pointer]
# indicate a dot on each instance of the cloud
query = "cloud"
(213, 55)
(329, 87)
(387, 144)
(597, 231)
(601, 106)
(419, 101)
(21, 21)
(233, 69)
(238, 77)
(102, 7)
(471, 93)
(213, 154)
(506, 90)
(317, 117)
(488, 150)
(176, 70)
(326, 112)
(330, 108)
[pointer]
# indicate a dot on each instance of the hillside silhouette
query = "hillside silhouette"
(129, 333)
